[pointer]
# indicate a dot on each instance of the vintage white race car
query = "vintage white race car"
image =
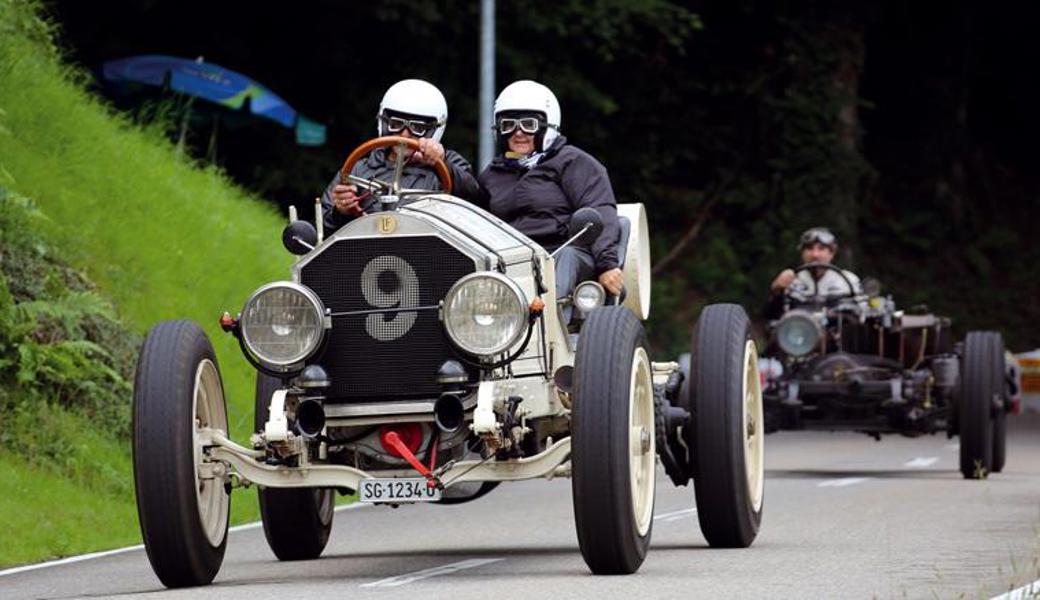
(416, 355)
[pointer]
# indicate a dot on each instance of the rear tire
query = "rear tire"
(183, 517)
(727, 433)
(999, 440)
(297, 521)
(982, 387)
(612, 442)
(1000, 416)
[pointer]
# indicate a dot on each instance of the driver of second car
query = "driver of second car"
(816, 245)
(414, 109)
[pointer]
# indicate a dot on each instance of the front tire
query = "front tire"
(727, 434)
(183, 511)
(982, 389)
(612, 442)
(297, 521)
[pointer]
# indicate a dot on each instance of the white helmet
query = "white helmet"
(415, 97)
(527, 95)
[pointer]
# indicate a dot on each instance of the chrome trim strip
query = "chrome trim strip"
(346, 411)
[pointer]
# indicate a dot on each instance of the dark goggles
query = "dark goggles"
(418, 127)
(507, 125)
(818, 236)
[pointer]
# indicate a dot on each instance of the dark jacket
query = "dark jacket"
(539, 202)
(414, 176)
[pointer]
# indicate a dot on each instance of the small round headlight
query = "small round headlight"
(798, 333)
(282, 324)
(589, 295)
(485, 313)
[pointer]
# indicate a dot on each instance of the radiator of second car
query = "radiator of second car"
(386, 352)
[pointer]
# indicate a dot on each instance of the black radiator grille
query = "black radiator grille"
(388, 354)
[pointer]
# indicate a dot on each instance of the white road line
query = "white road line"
(93, 555)
(1025, 592)
(676, 515)
(842, 482)
(921, 462)
(435, 571)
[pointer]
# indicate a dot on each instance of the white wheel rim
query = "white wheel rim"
(754, 431)
(208, 411)
(641, 441)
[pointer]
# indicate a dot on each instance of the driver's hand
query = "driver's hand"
(344, 198)
(612, 281)
(430, 151)
(782, 280)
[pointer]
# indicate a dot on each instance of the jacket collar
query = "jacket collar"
(500, 162)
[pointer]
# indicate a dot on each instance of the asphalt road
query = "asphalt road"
(845, 517)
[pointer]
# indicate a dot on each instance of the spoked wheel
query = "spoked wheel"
(297, 521)
(612, 442)
(982, 399)
(181, 501)
(728, 434)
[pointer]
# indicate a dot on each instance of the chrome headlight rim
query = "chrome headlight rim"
(801, 316)
(297, 361)
(601, 292)
(502, 346)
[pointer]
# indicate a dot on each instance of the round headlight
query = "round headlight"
(589, 295)
(282, 324)
(798, 333)
(485, 313)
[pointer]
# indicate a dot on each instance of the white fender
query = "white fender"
(637, 260)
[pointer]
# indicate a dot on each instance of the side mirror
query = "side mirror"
(589, 220)
(871, 287)
(299, 237)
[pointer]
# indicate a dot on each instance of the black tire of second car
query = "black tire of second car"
(175, 358)
(612, 341)
(297, 521)
(729, 511)
(1000, 411)
(982, 381)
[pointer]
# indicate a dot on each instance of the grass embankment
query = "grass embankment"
(160, 238)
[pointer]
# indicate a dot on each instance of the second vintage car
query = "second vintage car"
(854, 362)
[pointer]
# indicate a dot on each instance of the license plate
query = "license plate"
(397, 489)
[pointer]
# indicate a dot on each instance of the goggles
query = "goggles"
(507, 125)
(418, 127)
(818, 236)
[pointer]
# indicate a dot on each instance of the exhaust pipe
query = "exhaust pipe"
(310, 418)
(448, 413)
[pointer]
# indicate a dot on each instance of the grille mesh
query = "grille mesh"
(389, 354)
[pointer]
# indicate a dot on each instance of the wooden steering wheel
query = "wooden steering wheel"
(401, 142)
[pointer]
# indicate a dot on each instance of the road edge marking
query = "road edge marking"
(103, 553)
(1030, 590)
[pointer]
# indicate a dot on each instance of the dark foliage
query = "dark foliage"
(60, 343)
(906, 127)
